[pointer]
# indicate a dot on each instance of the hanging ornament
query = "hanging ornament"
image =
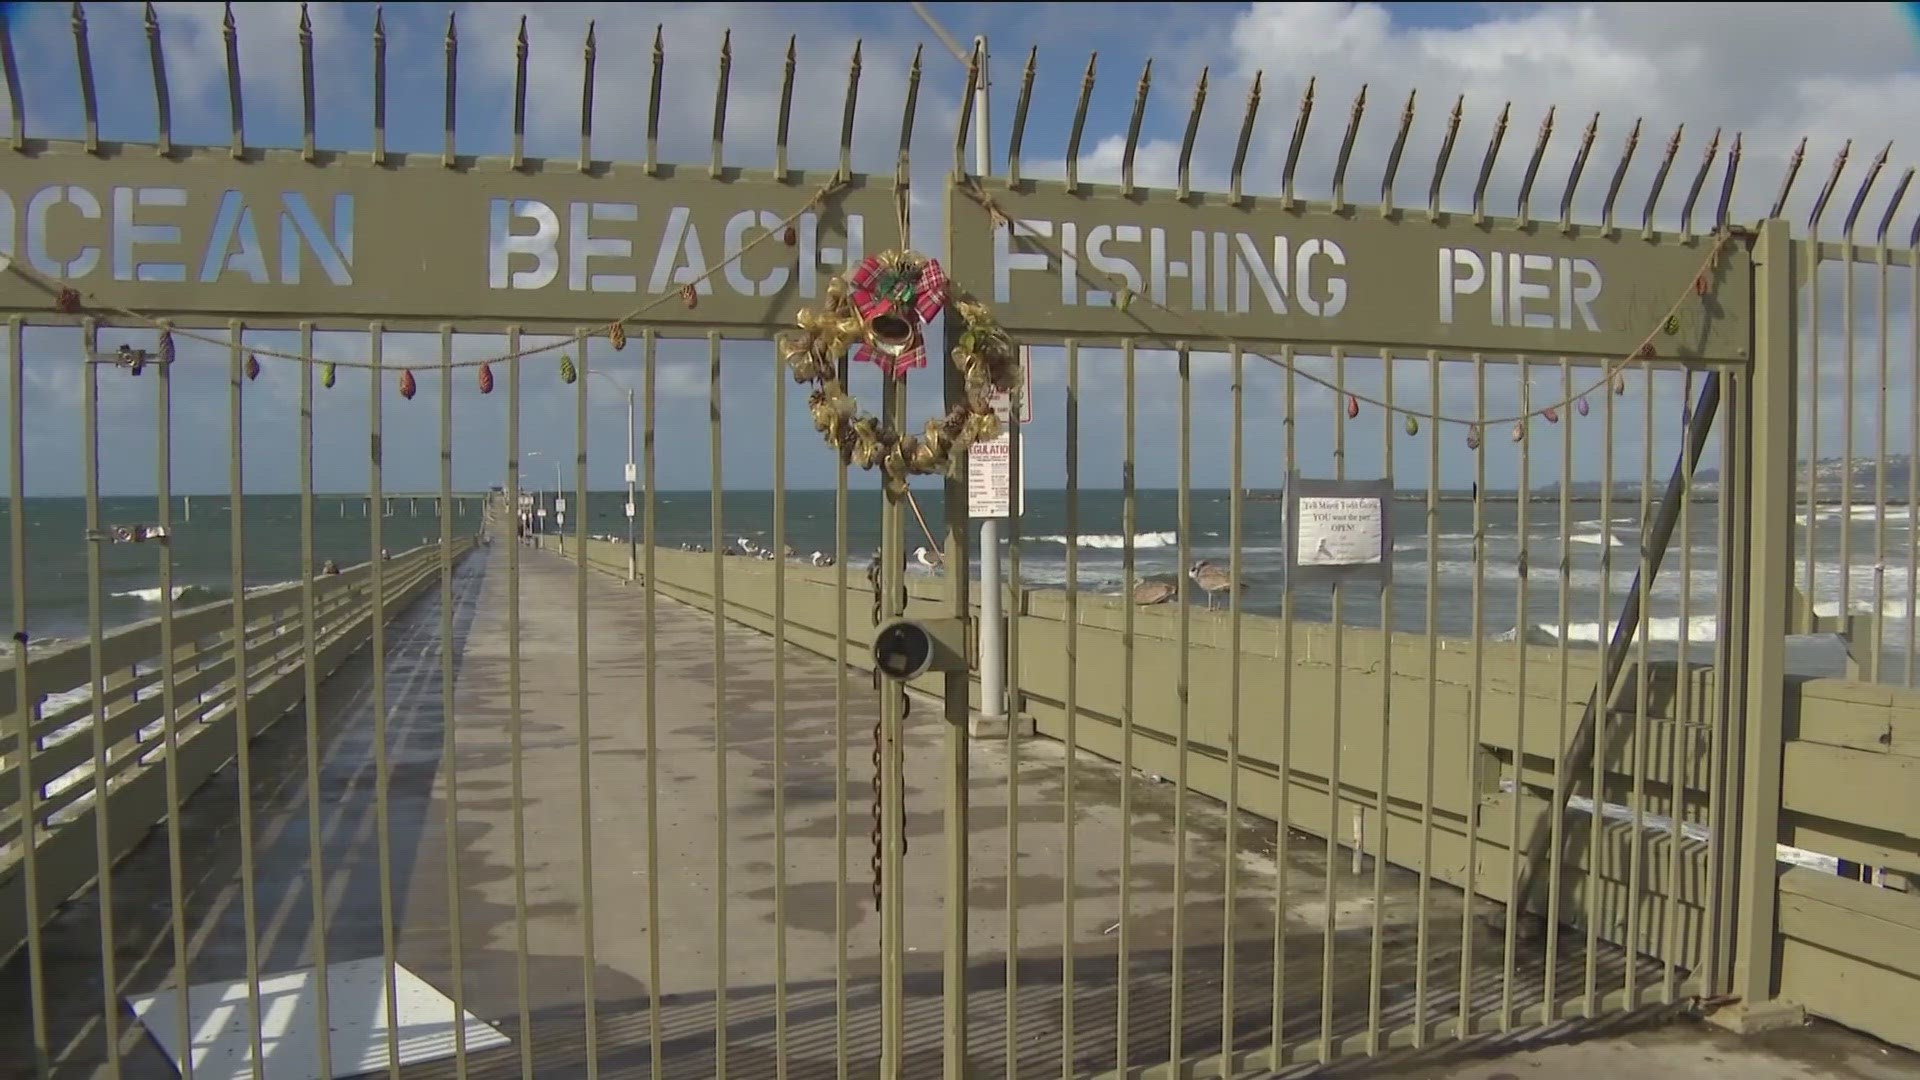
(789, 237)
(1619, 385)
(567, 371)
(67, 302)
(1353, 406)
(1672, 325)
(689, 296)
(1473, 438)
(326, 374)
(1580, 406)
(1700, 285)
(1647, 352)
(252, 367)
(486, 378)
(1519, 430)
(617, 336)
(894, 294)
(166, 346)
(1552, 414)
(1123, 299)
(407, 385)
(1413, 425)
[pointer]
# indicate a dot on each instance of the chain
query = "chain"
(879, 744)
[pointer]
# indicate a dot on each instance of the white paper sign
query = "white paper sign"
(629, 509)
(990, 487)
(633, 473)
(560, 504)
(1338, 531)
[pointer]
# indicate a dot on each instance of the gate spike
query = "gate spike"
(1726, 183)
(1133, 127)
(975, 60)
(721, 86)
(1346, 149)
(453, 80)
(1786, 182)
(1913, 238)
(589, 61)
(907, 113)
(1619, 175)
(1446, 155)
(846, 115)
(1293, 148)
(1866, 185)
(1524, 207)
(518, 160)
(1833, 181)
(162, 98)
(1660, 182)
(1393, 156)
(1486, 164)
(1893, 204)
(1079, 124)
(15, 102)
(1699, 181)
(653, 99)
(1020, 105)
(379, 86)
(83, 60)
(1192, 134)
(1573, 175)
(231, 33)
(786, 109)
(1246, 137)
(305, 36)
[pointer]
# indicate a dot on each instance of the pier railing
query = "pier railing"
(136, 679)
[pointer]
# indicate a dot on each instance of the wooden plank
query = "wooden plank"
(1877, 791)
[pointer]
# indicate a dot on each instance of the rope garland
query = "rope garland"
(1611, 370)
(71, 301)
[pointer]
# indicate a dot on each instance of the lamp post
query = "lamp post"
(633, 474)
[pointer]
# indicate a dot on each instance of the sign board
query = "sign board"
(1205, 268)
(542, 512)
(629, 509)
(633, 473)
(1340, 531)
(990, 482)
(201, 238)
(560, 503)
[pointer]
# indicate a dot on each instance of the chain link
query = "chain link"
(879, 742)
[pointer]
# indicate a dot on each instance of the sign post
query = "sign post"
(993, 493)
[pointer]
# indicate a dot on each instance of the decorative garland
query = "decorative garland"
(878, 312)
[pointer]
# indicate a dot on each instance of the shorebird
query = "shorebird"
(747, 547)
(821, 559)
(1212, 580)
(926, 558)
(1154, 592)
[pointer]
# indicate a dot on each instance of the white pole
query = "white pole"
(993, 640)
(633, 550)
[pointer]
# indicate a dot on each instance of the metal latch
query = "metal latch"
(905, 649)
(128, 534)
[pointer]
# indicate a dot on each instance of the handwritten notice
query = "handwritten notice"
(1338, 531)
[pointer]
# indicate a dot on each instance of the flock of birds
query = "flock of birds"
(1214, 581)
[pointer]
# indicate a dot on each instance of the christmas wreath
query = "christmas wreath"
(878, 313)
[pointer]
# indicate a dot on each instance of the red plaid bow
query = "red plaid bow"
(913, 294)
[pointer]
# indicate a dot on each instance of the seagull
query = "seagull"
(747, 547)
(926, 558)
(1212, 580)
(821, 559)
(1154, 592)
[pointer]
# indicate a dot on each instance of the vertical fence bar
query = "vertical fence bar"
(717, 511)
(1328, 939)
(309, 662)
(25, 743)
(1284, 767)
(1728, 616)
(169, 699)
(1564, 609)
(1014, 723)
(1423, 931)
(1682, 702)
(1235, 512)
(892, 828)
(449, 723)
(376, 552)
(1182, 692)
(841, 556)
(1880, 452)
(1380, 801)
(584, 738)
(516, 764)
(1810, 371)
(1603, 700)
(780, 717)
(1476, 692)
(650, 706)
(1636, 849)
(1516, 903)
(1129, 522)
(1912, 669)
(955, 702)
(243, 758)
(97, 721)
(1070, 706)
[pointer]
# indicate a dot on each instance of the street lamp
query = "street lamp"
(633, 475)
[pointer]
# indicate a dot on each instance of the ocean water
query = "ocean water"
(1439, 559)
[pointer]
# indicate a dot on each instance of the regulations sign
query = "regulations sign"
(1340, 531)
(990, 480)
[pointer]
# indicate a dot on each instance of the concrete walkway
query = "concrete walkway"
(700, 816)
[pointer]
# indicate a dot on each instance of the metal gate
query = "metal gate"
(1313, 666)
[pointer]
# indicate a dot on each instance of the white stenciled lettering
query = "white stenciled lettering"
(234, 243)
(1006, 259)
(736, 241)
(503, 243)
(1522, 289)
(680, 259)
(6, 228)
(1303, 279)
(1112, 266)
(40, 206)
(129, 233)
(583, 245)
(299, 227)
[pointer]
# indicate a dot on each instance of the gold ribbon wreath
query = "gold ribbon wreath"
(986, 357)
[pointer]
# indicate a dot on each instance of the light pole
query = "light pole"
(633, 474)
(993, 649)
(539, 502)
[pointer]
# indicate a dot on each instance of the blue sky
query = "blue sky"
(1829, 77)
